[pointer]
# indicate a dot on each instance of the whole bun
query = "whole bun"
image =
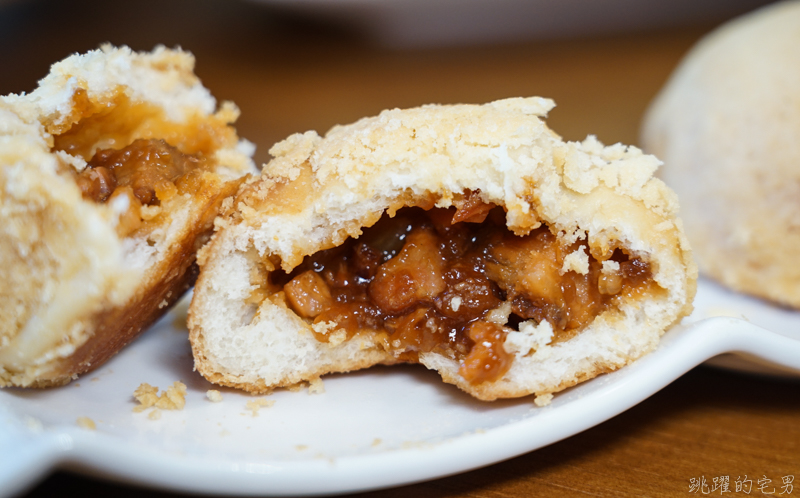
(727, 126)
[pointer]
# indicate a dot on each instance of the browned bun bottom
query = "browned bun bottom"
(112, 173)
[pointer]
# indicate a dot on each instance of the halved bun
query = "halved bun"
(91, 254)
(464, 164)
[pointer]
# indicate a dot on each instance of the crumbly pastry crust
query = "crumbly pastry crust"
(317, 192)
(727, 125)
(74, 291)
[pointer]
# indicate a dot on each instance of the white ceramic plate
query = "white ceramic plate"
(713, 300)
(372, 429)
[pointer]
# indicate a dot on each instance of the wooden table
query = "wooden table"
(289, 75)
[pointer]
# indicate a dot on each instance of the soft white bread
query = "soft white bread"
(317, 192)
(727, 125)
(81, 277)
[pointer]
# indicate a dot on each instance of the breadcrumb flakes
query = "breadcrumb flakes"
(173, 398)
(543, 399)
(323, 327)
(146, 395)
(316, 386)
(214, 396)
(500, 314)
(86, 423)
(149, 212)
(257, 404)
(337, 337)
(155, 414)
(577, 261)
(530, 337)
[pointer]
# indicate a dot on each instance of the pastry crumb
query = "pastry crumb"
(150, 212)
(155, 414)
(577, 261)
(146, 395)
(337, 337)
(500, 314)
(323, 327)
(301, 447)
(33, 423)
(214, 396)
(257, 404)
(316, 387)
(543, 399)
(86, 423)
(173, 398)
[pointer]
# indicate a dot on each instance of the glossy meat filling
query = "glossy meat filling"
(145, 172)
(426, 281)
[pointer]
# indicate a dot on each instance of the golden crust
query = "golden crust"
(79, 291)
(319, 191)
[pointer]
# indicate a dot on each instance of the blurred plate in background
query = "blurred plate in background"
(420, 23)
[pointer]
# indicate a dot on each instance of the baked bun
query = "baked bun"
(111, 173)
(727, 126)
(468, 238)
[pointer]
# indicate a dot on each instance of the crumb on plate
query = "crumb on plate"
(256, 405)
(173, 398)
(86, 423)
(316, 386)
